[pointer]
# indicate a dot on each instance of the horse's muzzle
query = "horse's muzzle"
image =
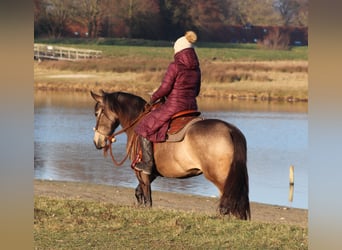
(98, 146)
(100, 141)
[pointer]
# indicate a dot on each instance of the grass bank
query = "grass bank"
(229, 71)
(75, 224)
(163, 49)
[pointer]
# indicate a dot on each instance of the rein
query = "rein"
(111, 139)
(111, 152)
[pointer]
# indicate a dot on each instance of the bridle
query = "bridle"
(96, 128)
(111, 138)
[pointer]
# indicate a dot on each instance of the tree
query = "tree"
(165, 19)
(255, 12)
(37, 13)
(137, 18)
(303, 13)
(208, 16)
(55, 16)
(288, 10)
(92, 14)
(179, 16)
(88, 13)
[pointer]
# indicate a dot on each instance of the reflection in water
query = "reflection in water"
(276, 135)
(213, 104)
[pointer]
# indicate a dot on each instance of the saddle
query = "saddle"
(178, 125)
(180, 122)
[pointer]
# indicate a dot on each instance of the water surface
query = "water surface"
(276, 135)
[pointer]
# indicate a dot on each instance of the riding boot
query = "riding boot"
(146, 163)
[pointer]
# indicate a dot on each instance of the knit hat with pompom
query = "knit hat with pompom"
(185, 41)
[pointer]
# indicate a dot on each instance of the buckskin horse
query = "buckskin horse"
(211, 147)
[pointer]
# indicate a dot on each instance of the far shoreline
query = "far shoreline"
(239, 96)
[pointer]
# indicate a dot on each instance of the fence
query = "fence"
(44, 51)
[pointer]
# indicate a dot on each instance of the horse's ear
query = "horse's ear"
(98, 98)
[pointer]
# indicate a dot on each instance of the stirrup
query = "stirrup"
(135, 162)
(136, 168)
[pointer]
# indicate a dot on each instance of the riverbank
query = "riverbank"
(249, 80)
(163, 200)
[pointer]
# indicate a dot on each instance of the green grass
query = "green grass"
(72, 224)
(252, 54)
(163, 49)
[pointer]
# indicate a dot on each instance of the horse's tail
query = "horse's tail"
(235, 199)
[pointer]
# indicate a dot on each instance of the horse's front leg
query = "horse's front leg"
(143, 190)
(146, 188)
(139, 194)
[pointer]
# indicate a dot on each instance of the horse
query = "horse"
(212, 147)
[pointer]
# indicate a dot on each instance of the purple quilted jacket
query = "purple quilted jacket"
(181, 85)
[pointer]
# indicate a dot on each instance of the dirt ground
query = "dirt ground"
(164, 200)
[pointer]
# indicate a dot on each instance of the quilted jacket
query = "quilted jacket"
(180, 87)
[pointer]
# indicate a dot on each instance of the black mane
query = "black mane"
(125, 104)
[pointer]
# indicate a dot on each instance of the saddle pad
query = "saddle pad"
(179, 135)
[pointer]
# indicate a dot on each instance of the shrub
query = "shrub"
(276, 38)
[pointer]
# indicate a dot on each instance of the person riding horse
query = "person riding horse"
(180, 87)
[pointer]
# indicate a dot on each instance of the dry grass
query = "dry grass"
(234, 72)
(262, 80)
(283, 80)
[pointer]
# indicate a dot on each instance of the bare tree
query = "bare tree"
(288, 10)
(56, 15)
(91, 13)
(37, 14)
(303, 14)
(256, 12)
(206, 14)
(163, 19)
(138, 16)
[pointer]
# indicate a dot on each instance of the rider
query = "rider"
(180, 87)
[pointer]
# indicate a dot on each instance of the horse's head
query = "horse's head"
(106, 120)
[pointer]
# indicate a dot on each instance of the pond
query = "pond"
(276, 133)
